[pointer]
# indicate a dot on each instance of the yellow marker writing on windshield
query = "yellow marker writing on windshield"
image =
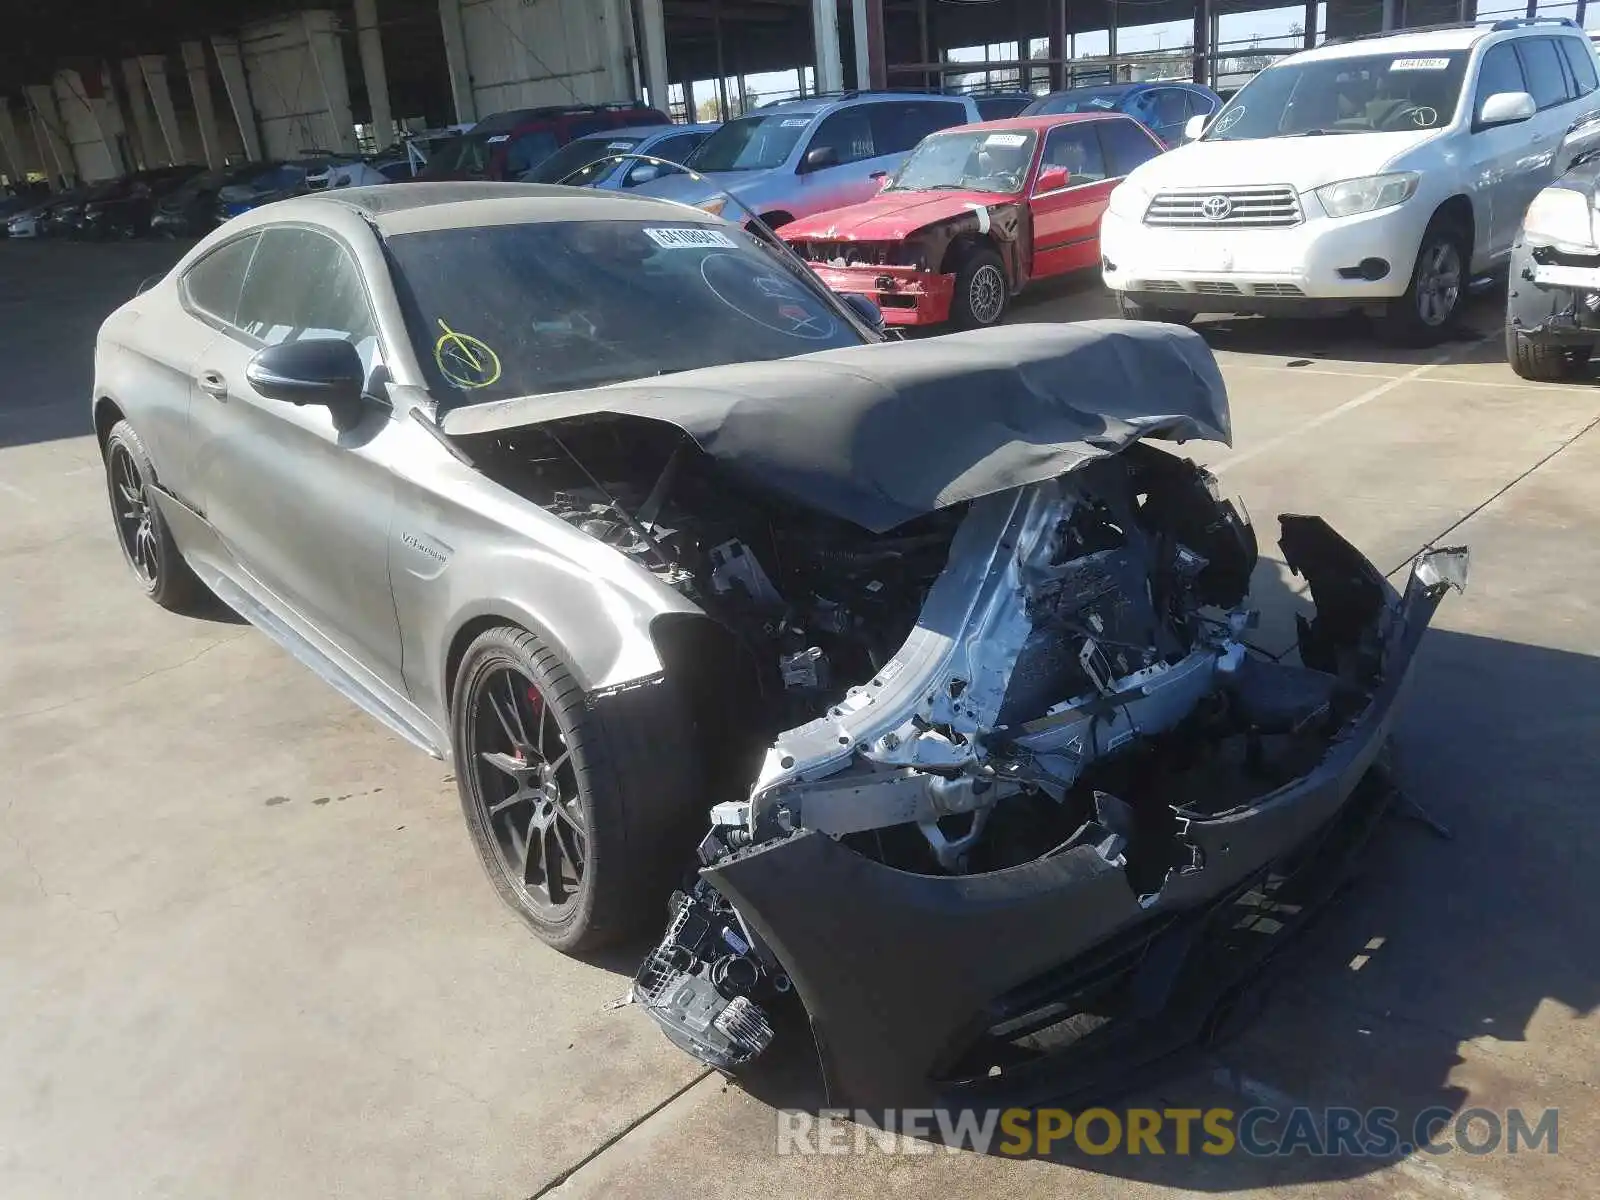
(465, 360)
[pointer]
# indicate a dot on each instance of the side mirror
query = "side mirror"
(325, 371)
(820, 156)
(1052, 179)
(1506, 108)
(869, 312)
(1194, 127)
(643, 173)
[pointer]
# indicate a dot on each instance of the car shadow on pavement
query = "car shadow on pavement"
(1465, 933)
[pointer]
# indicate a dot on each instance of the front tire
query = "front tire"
(1542, 362)
(579, 820)
(982, 293)
(1132, 310)
(142, 532)
(1427, 311)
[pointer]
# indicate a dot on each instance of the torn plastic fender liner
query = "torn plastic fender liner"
(896, 969)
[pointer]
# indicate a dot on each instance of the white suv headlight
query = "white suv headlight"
(1352, 196)
(1560, 217)
(1129, 200)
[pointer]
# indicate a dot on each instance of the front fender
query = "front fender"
(465, 553)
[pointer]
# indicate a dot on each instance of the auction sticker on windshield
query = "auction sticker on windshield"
(1006, 139)
(689, 239)
(1420, 64)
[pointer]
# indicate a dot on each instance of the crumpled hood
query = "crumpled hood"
(881, 433)
(1301, 162)
(889, 216)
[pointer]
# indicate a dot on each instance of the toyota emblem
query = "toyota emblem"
(1216, 208)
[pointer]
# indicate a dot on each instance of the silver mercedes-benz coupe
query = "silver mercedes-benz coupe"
(916, 666)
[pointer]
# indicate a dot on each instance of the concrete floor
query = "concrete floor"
(245, 949)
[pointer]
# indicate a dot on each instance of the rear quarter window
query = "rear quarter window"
(1542, 67)
(1581, 59)
(1126, 145)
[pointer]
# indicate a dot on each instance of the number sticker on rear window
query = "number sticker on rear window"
(689, 239)
(1420, 64)
(1006, 139)
(796, 122)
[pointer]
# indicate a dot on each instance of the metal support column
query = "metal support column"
(1533, 9)
(237, 87)
(1059, 53)
(151, 148)
(923, 52)
(723, 112)
(48, 133)
(369, 40)
(11, 162)
(652, 25)
(153, 67)
(1388, 16)
(1111, 39)
(825, 45)
(1202, 41)
(205, 113)
(867, 19)
(1309, 25)
(455, 59)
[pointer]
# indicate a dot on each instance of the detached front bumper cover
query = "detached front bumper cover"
(950, 989)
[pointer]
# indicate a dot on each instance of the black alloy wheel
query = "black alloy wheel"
(526, 789)
(131, 504)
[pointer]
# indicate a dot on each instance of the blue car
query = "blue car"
(1162, 106)
(588, 161)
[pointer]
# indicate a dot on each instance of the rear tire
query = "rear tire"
(610, 789)
(142, 532)
(981, 293)
(1132, 310)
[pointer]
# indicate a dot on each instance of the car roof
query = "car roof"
(514, 118)
(416, 207)
(1037, 123)
(642, 131)
(1421, 40)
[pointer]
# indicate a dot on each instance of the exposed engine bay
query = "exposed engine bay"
(1054, 666)
(985, 739)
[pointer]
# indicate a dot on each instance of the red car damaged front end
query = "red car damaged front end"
(905, 291)
(895, 249)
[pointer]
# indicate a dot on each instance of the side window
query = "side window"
(1499, 72)
(1541, 66)
(1200, 105)
(848, 133)
(897, 126)
(1126, 146)
(1077, 148)
(1171, 107)
(528, 150)
(673, 149)
(1581, 60)
(213, 284)
(302, 284)
(584, 126)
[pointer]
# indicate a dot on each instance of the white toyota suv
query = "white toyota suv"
(1380, 173)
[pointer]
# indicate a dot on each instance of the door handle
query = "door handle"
(213, 384)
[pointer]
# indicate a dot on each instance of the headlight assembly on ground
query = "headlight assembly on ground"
(1257, 1132)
